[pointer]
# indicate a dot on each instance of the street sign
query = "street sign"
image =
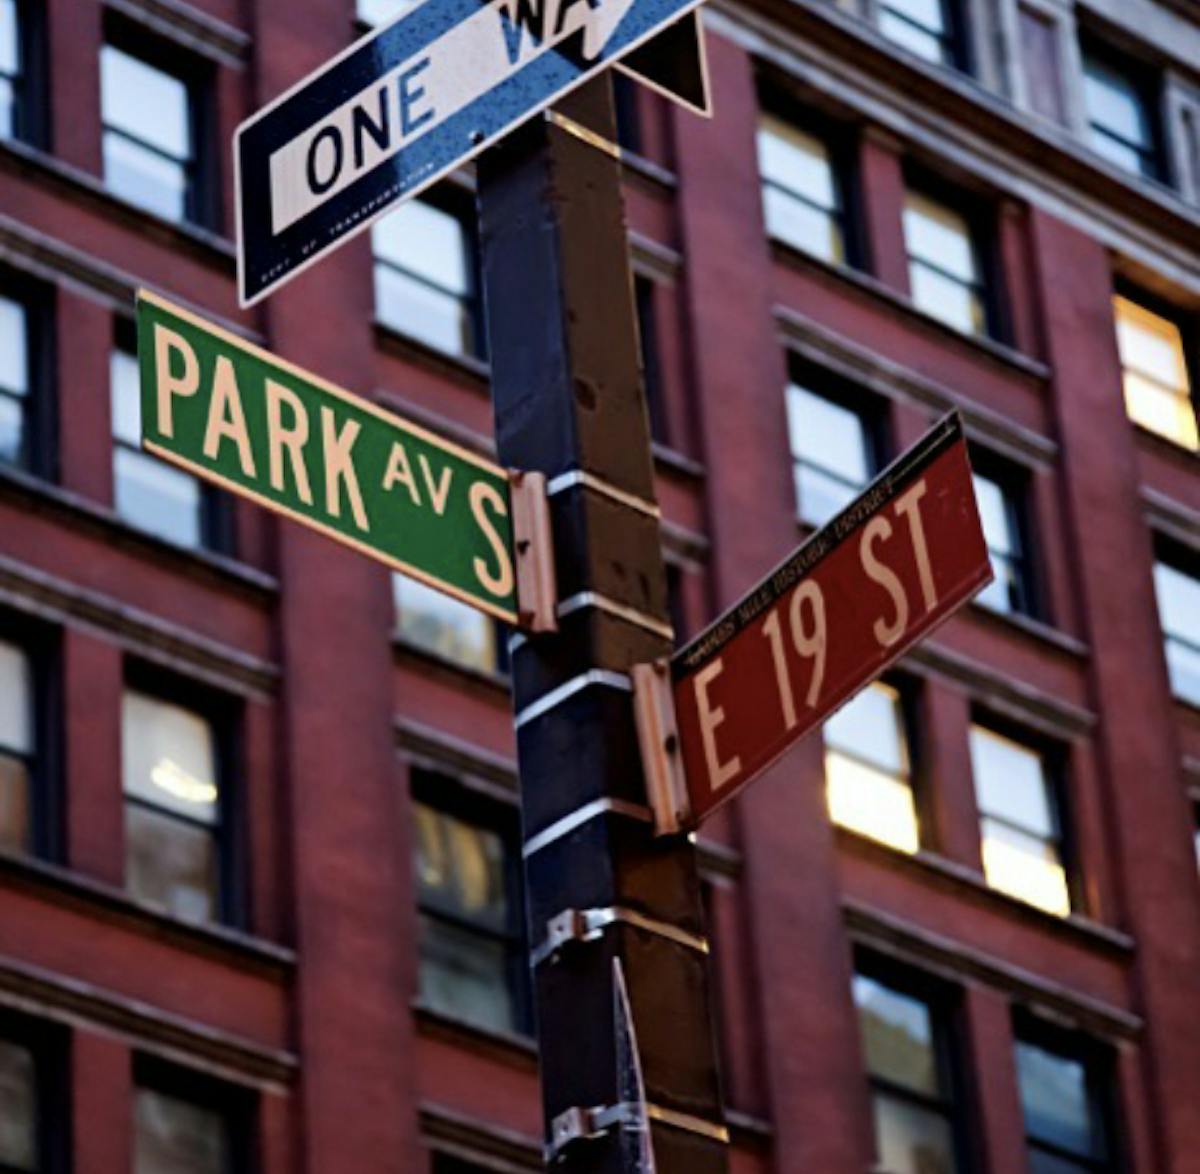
(404, 106)
(246, 420)
(892, 566)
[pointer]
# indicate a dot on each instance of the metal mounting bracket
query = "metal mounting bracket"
(658, 741)
(588, 925)
(579, 1124)
(533, 548)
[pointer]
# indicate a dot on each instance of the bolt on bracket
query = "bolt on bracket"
(533, 549)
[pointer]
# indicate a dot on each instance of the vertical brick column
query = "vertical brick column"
(1148, 821)
(816, 1086)
(101, 1104)
(881, 189)
(75, 33)
(355, 1035)
(948, 799)
(987, 1024)
(92, 680)
(84, 333)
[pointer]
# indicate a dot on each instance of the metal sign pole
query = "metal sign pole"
(601, 888)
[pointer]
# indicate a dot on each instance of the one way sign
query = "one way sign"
(404, 106)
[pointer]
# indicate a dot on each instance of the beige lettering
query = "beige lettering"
(886, 634)
(439, 492)
(908, 504)
(339, 468)
(483, 496)
(226, 418)
(292, 439)
(399, 472)
(711, 716)
(166, 343)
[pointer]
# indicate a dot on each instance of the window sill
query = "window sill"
(61, 886)
(1030, 628)
(466, 370)
(989, 349)
(671, 460)
(108, 524)
(496, 684)
(206, 245)
(519, 1051)
(654, 175)
(961, 876)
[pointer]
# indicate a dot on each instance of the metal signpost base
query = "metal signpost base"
(606, 898)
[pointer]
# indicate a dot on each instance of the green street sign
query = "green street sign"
(246, 420)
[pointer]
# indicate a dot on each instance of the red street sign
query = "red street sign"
(827, 621)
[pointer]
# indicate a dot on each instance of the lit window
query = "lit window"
(149, 135)
(186, 1123)
(1178, 595)
(833, 454)
(18, 747)
(440, 624)
(1063, 1083)
(1000, 513)
(1019, 822)
(1158, 391)
(868, 777)
(904, 1044)
(14, 382)
(379, 12)
(802, 202)
(1121, 123)
(425, 282)
(472, 949)
(12, 70)
(923, 27)
(148, 492)
(172, 807)
(944, 271)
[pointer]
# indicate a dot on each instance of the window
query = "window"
(643, 296)
(28, 810)
(1120, 104)
(945, 271)
(923, 27)
(25, 423)
(34, 1125)
(1157, 383)
(21, 97)
(473, 962)
(1005, 531)
(447, 627)
(187, 1123)
(153, 131)
(906, 1047)
(1064, 1081)
(625, 109)
(1178, 595)
(426, 284)
(833, 450)
(868, 774)
(1019, 822)
(377, 12)
(802, 198)
(175, 807)
(148, 492)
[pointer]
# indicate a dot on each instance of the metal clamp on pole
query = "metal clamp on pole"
(533, 544)
(658, 741)
(579, 1124)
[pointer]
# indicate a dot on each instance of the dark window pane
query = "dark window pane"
(18, 1107)
(460, 868)
(1056, 1101)
(16, 700)
(15, 822)
(1121, 122)
(643, 290)
(170, 863)
(14, 350)
(1041, 1162)
(10, 40)
(466, 974)
(173, 1136)
(897, 1036)
(911, 1139)
(432, 620)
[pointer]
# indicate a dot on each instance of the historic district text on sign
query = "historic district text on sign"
(891, 567)
(252, 423)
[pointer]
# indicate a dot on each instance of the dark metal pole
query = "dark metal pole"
(600, 887)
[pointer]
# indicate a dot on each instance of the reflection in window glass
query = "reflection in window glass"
(376, 12)
(17, 743)
(174, 1136)
(1158, 391)
(11, 70)
(910, 1092)
(172, 806)
(18, 1108)
(424, 277)
(832, 451)
(432, 620)
(1022, 841)
(14, 382)
(920, 26)
(1009, 590)
(471, 952)
(1178, 595)
(868, 780)
(1120, 122)
(147, 145)
(944, 272)
(149, 493)
(801, 198)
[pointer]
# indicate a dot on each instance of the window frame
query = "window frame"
(841, 140)
(1016, 485)
(235, 1104)
(222, 713)
(49, 1044)
(1056, 770)
(645, 292)
(1099, 1066)
(955, 40)
(40, 403)
(457, 202)
(1188, 324)
(447, 793)
(31, 124)
(1147, 83)
(202, 193)
(1184, 560)
(945, 1003)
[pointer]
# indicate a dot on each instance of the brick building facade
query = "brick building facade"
(259, 877)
